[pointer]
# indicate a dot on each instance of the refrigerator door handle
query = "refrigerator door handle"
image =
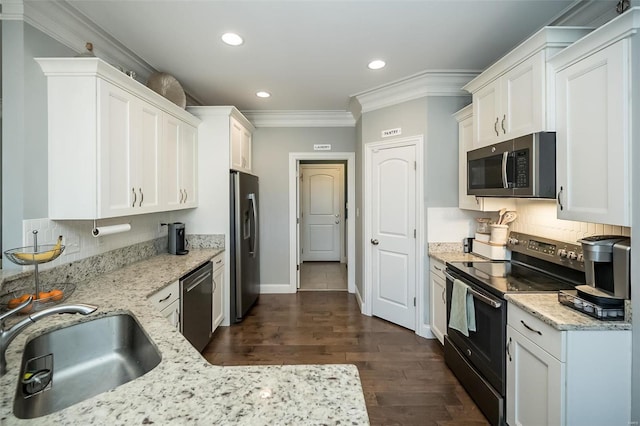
(254, 209)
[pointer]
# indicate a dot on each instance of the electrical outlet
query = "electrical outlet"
(71, 243)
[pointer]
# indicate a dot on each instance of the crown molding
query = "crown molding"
(464, 113)
(64, 23)
(429, 83)
(589, 13)
(312, 118)
(12, 10)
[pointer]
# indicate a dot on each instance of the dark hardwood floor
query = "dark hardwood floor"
(404, 377)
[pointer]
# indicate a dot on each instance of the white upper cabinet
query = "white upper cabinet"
(595, 100)
(109, 143)
(465, 143)
(240, 146)
(511, 98)
(180, 164)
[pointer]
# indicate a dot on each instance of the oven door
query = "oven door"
(484, 348)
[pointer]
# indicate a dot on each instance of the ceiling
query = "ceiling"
(313, 55)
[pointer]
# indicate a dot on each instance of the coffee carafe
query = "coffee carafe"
(177, 240)
(607, 264)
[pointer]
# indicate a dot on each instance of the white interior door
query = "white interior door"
(393, 237)
(298, 259)
(322, 218)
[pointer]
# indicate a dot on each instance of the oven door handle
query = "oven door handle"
(481, 297)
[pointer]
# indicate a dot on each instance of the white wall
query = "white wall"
(271, 148)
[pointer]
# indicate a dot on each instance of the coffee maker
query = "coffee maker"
(607, 267)
(176, 238)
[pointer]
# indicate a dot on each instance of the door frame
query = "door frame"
(294, 160)
(343, 201)
(422, 329)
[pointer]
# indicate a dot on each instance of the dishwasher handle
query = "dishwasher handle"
(198, 281)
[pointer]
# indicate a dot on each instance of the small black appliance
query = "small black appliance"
(177, 241)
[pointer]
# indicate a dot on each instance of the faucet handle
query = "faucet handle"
(15, 310)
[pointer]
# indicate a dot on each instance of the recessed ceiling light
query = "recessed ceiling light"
(263, 94)
(376, 64)
(232, 39)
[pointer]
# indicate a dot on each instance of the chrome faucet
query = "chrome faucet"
(7, 336)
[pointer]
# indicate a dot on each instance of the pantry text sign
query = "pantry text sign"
(322, 147)
(392, 132)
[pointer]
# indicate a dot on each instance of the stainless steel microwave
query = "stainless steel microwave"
(523, 167)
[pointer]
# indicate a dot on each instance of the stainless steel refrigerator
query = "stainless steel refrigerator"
(245, 250)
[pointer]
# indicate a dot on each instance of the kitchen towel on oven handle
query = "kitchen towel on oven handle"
(463, 314)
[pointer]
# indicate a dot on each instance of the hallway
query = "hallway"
(323, 276)
(404, 378)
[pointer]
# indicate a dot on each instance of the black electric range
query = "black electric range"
(478, 359)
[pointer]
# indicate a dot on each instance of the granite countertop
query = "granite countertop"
(546, 307)
(184, 388)
(452, 252)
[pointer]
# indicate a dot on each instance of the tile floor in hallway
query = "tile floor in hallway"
(404, 378)
(323, 276)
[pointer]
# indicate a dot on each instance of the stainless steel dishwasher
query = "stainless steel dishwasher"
(196, 289)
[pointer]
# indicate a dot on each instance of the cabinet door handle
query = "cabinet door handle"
(509, 349)
(219, 261)
(186, 195)
(134, 197)
(437, 268)
(181, 196)
(495, 126)
(528, 327)
(163, 299)
(502, 124)
(558, 198)
(141, 197)
(444, 297)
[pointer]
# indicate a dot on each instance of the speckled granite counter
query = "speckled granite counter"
(184, 388)
(546, 307)
(452, 252)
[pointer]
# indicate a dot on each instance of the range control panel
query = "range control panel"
(560, 252)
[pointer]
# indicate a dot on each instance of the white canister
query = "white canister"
(499, 234)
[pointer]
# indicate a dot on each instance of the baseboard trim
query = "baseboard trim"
(424, 330)
(359, 298)
(275, 289)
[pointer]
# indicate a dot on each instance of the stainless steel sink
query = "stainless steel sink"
(69, 365)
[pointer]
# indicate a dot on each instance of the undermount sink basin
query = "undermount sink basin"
(71, 364)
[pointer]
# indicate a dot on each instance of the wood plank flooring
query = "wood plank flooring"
(404, 377)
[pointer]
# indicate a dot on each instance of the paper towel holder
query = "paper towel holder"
(100, 231)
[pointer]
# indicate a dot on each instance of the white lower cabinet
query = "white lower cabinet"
(167, 301)
(438, 297)
(172, 314)
(218, 283)
(569, 377)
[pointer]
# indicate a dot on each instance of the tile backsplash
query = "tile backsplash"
(79, 241)
(538, 217)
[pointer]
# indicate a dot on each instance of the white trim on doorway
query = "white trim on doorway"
(421, 289)
(294, 159)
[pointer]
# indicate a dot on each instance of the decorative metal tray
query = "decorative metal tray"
(49, 295)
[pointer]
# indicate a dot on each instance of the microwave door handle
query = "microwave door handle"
(505, 156)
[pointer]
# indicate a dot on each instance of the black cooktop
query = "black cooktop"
(500, 277)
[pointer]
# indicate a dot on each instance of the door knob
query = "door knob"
(337, 214)
(375, 242)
